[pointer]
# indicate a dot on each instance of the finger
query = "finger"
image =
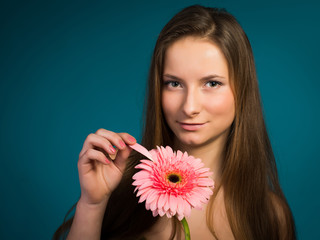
(113, 137)
(121, 159)
(127, 138)
(107, 154)
(97, 142)
(92, 155)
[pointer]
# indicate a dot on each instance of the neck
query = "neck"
(211, 154)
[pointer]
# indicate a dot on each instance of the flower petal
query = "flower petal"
(173, 204)
(161, 212)
(153, 195)
(144, 166)
(162, 200)
(155, 213)
(153, 204)
(180, 217)
(163, 197)
(180, 209)
(206, 182)
(141, 175)
(187, 210)
(166, 206)
(179, 155)
(145, 184)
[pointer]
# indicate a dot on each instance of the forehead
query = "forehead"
(192, 56)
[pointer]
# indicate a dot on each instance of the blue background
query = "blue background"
(70, 68)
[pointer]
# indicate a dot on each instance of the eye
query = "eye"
(212, 84)
(172, 84)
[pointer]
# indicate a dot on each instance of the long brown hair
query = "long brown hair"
(255, 205)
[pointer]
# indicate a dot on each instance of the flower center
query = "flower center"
(174, 178)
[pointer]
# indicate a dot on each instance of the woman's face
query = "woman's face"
(197, 99)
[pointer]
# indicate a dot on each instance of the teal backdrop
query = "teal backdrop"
(68, 68)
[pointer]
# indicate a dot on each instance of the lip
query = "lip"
(191, 126)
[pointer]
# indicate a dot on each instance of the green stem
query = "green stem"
(186, 229)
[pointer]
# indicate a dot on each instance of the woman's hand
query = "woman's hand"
(99, 175)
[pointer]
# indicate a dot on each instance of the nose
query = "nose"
(192, 103)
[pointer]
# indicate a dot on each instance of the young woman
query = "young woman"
(204, 99)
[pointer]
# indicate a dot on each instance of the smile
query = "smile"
(191, 126)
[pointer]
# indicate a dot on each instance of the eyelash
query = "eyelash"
(169, 83)
(217, 83)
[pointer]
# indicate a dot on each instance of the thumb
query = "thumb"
(121, 158)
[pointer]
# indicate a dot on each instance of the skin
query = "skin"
(186, 98)
(196, 89)
(190, 96)
(99, 175)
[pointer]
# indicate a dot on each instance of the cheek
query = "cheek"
(169, 104)
(223, 105)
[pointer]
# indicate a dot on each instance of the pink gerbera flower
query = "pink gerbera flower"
(172, 182)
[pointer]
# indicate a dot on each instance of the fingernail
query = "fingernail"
(112, 150)
(122, 144)
(107, 160)
(132, 139)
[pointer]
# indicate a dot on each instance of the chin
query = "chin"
(198, 140)
(189, 141)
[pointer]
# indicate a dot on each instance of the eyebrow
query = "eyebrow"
(212, 76)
